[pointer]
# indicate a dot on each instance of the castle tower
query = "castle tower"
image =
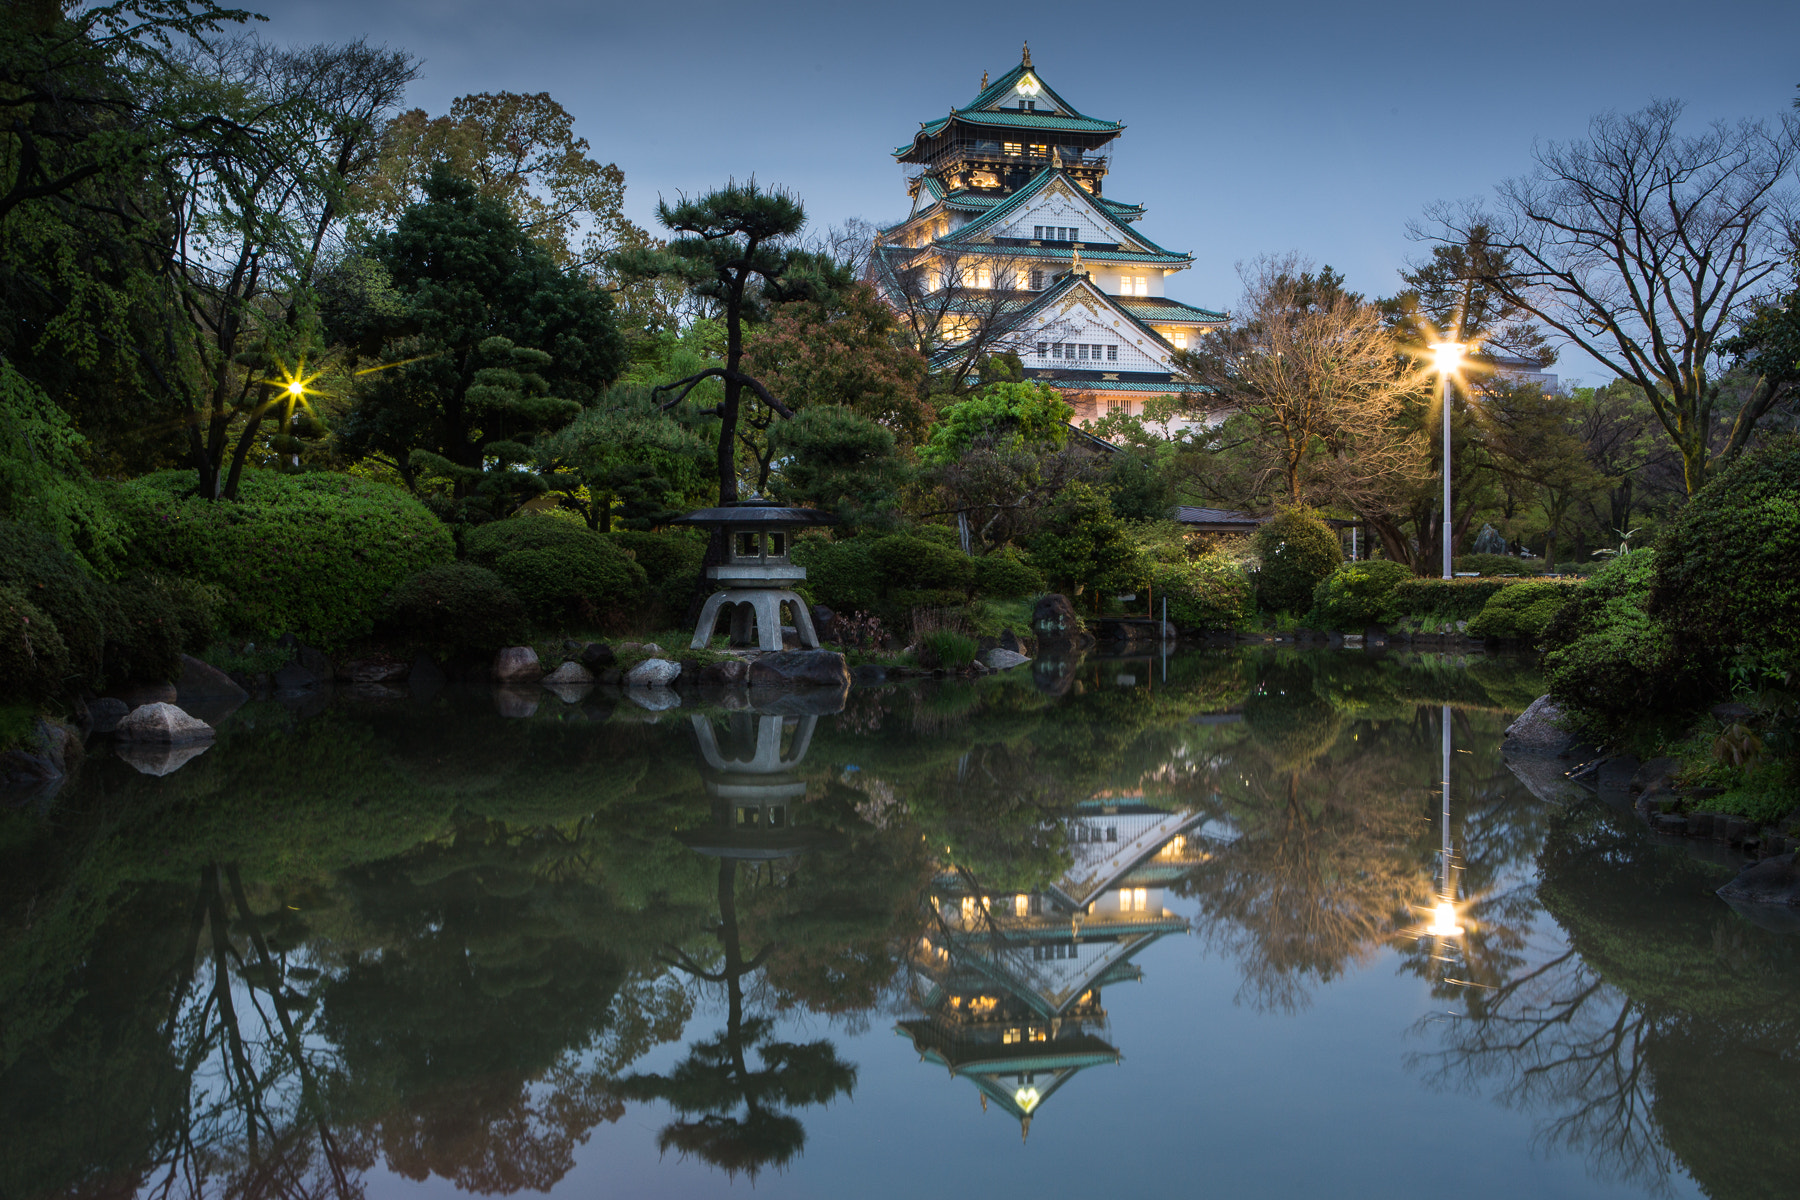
(1013, 246)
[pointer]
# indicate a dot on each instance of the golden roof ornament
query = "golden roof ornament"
(984, 81)
(1026, 62)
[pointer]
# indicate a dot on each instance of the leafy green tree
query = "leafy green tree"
(839, 460)
(1084, 546)
(626, 460)
(497, 346)
(734, 247)
(1008, 416)
(1297, 551)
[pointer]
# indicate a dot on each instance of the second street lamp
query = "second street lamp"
(1449, 357)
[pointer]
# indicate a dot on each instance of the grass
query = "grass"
(16, 722)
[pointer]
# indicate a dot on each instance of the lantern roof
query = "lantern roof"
(757, 511)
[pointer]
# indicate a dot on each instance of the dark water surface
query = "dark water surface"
(1118, 923)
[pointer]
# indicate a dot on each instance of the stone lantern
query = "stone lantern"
(756, 577)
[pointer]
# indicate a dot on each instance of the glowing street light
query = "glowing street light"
(1449, 357)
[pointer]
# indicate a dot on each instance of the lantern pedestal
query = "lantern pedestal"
(755, 618)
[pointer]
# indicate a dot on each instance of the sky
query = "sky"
(1251, 128)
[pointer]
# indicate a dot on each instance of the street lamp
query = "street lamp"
(1449, 357)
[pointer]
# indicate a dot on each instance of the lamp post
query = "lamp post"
(1449, 355)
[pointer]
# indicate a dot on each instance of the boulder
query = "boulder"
(378, 668)
(800, 668)
(1653, 776)
(824, 623)
(517, 664)
(727, 672)
(570, 674)
(105, 713)
(295, 678)
(653, 673)
(999, 660)
(596, 655)
(1771, 881)
(652, 649)
(201, 681)
(163, 724)
(1054, 619)
(1010, 641)
(153, 758)
(1537, 731)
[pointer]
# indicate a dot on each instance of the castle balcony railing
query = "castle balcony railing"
(1002, 153)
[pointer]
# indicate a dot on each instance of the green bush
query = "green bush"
(1210, 593)
(308, 554)
(144, 634)
(841, 575)
(672, 564)
(34, 662)
(1358, 594)
(1004, 576)
(947, 649)
(1608, 659)
(55, 584)
(561, 570)
(1498, 564)
(456, 606)
(1726, 573)
(1444, 599)
(1522, 611)
(919, 573)
(1297, 550)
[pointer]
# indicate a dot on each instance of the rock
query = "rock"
(570, 674)
(727, 672)
(517, 664)
(377, 668)
(630, 647)
(1537, 731)
(163, 724)
(595, 655)
(1054, 619)
(652, 649)
(201, 681)
(295, 678)
(652, 672)
(800, 668)
(23, 769)
(1672, 823)
(1010, 641)
(1771, 881)
(105, 713)
(1654, 775)
(824, 623)
(868, 675)
(655, 699)
(517, 702)
(152, 758)
(610, 675)
(805, 702)
(1000, 660)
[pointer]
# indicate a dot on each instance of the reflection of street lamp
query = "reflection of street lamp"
(1443, 917)
(1449, 357)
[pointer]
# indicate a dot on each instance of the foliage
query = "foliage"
(42, 479)
(1607, 659)
(1358, 594)
(840, 460)
(1140, 488)
(144, 634)
(1725, 569)
(307, 554)
(1523, 611)
(1495, 564)
(1085, 546)
(917, 572)
(627, 462)
(456, 606)
(842, 575)
(497, 346)
(33, 659)
(1297, 550)
(1445, 599)
(672, 563)
(560, 570)
(1211, 592)
(1009, 416)
(1004, 575)
(56, 584)
(947, 649)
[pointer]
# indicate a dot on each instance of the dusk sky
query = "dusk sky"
(1251, 128)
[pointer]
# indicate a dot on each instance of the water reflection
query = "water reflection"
(424, 940)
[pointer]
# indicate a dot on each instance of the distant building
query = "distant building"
(1010, 222)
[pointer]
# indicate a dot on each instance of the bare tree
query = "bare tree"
(1644, 248)
(958, 308)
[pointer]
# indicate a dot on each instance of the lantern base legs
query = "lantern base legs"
(755, 615)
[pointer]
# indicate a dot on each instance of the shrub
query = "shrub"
(309, 554)
(1297, 550)
(34, 662)
(1004, 576)
(1522, 611)
(841, 575)
(1607, 658)
(144, 635)
(456, 606)
(1725, 567)
(1444, 599)
(57, 586)
(917, 572)
(560, 570)
(1358, 594)
(1211, 592)
(672, 564)
(947, 649)
(1497, 564)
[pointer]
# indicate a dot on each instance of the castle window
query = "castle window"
(1181, 339)
(1112, 354)
(1037, 232)
(1043, 348)
(1037, 284)
(1040, 151)
(1081, 350)
(1014, 148)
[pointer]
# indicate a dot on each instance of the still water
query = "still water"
(1205, 924)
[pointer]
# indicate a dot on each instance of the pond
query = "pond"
(1209, 922)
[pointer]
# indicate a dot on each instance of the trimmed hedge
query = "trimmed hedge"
(1523, 611)
(1210, 593)
(1297, 551)
(1005, 577)
(456, 606)
(308, 554)
(1499, 564)
(561, 570)
(1358, 594)
(1445, 599)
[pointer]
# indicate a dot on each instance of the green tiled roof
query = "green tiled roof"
(1131, 256)
(1168, 310)
(1000, 212)
(975, 112)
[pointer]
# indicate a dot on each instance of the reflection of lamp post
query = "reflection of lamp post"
(1449, 355)
(1443, 916)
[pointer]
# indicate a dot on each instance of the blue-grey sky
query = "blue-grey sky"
(1252, 127)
